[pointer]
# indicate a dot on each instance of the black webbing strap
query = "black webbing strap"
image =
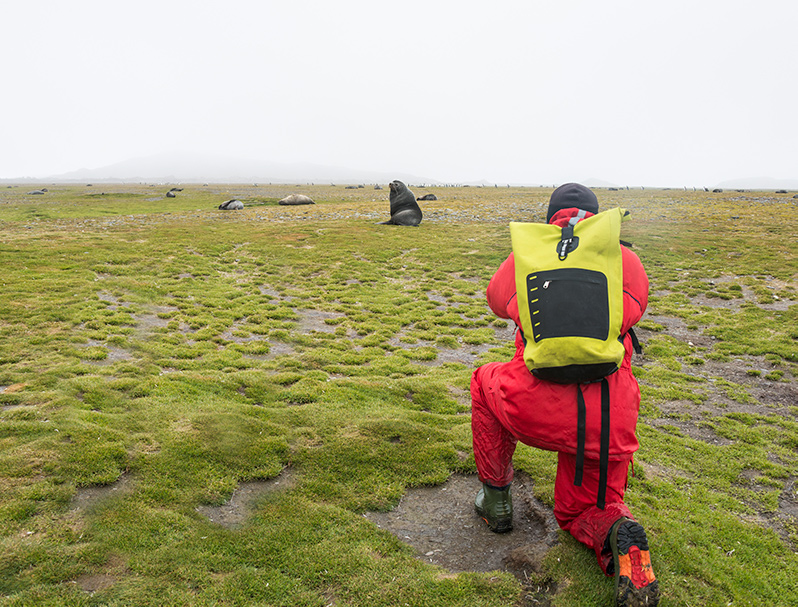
(635, 342)
(604, 449)
(580, 435)
(567, 242)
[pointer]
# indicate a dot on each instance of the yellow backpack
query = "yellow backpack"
(570, 296)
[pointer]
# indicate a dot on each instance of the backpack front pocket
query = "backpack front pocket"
(568, 302)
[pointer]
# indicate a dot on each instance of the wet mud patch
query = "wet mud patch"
(151, 320)
(113, 571)
(114, 354)
(693, 429)
(110, 299)
(230, 334)
(788, 501)
(461, 395)
(674, 327)
(442, 526)
(276, 296)
(466, 354)
(86, 498)
(235, 511)
(311, 321)
(440, 299)
(505, 334)
(278, 348)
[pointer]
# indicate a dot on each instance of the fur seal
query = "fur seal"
(404, 208)
(232, 205)
(296, 199)
(428, 197)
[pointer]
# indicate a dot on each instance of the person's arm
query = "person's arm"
(635, 289)
(501, 291)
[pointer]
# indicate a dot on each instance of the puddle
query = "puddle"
(87, 497)
(313, 320)
(441, 524)
(234, 512)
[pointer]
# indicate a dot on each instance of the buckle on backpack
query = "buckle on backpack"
(568, 243)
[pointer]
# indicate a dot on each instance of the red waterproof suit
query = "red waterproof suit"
(510, 404)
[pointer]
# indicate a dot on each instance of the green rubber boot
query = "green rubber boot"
(495, 507)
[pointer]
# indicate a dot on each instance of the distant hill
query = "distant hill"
(202, 168)
(193, 167)
(592, 182)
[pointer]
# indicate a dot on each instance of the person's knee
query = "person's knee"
(477, 383)
(564, 519)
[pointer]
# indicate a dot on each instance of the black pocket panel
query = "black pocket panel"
(569, 302)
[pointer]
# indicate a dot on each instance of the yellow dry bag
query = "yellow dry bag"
(570, 296)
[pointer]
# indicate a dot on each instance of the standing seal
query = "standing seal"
(404, 208)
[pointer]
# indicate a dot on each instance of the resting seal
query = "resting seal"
(296, 199)
(404, 208)
(428, 197)
(232, 205)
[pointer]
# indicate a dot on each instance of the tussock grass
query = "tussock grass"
(180, 350)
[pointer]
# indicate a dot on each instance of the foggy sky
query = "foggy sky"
(520, 91)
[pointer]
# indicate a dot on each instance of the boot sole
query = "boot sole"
(500, 526)
(627, 594)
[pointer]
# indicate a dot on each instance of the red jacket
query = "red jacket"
(547, 411)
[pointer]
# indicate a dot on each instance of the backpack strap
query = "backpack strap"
(635, 342)
(604, 446)
(580, 435)
(604, 449)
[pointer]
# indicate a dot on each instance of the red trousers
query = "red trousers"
(574, 507)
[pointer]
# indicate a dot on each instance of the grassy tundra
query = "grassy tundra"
(159, 353)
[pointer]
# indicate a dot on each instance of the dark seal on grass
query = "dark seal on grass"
(404, 208)
(232, 205)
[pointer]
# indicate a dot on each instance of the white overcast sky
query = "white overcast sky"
(684, 92)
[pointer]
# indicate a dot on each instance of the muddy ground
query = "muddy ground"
(441, 525)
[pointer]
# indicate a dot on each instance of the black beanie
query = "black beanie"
(572, 195)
